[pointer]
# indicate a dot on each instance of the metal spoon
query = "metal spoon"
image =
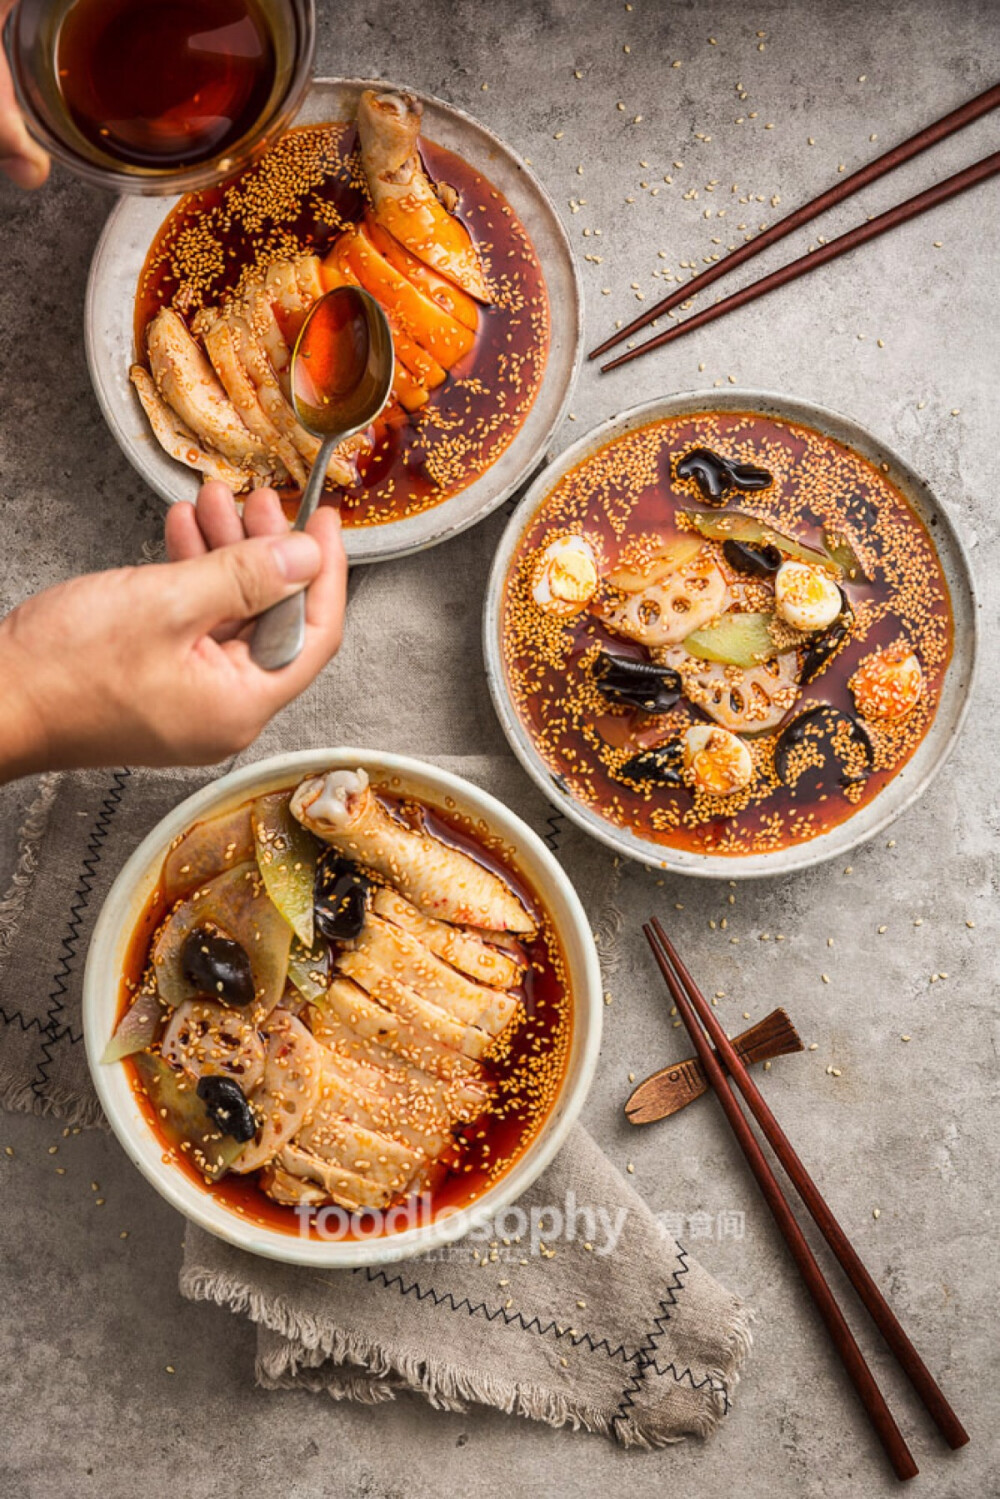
(341, 375)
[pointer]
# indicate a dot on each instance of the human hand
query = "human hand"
(21, 158)
(151, 665)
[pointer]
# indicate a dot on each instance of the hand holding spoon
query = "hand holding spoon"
(341, 375)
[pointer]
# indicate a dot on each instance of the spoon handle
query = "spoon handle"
(280, 632)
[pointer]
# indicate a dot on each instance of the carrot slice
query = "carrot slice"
(445, 293)
(423, 366)
(417, 360)
(407, 390)
(433, 328)
(436, 237)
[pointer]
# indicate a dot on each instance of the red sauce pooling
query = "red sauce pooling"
(165, 83)
(545, 1031)
(297, 200)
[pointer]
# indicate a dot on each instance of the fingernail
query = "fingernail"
(297, 555)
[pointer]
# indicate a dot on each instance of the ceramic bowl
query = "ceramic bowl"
(107, 958)
(905, 787)
(134, 223)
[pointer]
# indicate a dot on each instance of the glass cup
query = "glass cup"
(31, 38)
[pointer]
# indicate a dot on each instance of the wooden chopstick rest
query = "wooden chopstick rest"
(673, 1088)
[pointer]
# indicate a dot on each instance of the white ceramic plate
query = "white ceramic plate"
(134, 222)
(901, 791)
(107, 957)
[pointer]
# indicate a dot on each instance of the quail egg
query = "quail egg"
(887, 685)
(806, 597)
(716, 760)
(565, 576)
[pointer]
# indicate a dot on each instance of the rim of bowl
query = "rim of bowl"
(429, 528)
(846, 835)
(116, 923)
(167, 181)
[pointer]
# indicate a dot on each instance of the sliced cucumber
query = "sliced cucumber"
(137, 1028)
(309, 970)
(734, 639)
(846, 557)
(735, 525)
(184, 1116)
(206, 850)
(238, 905)
(286, 856)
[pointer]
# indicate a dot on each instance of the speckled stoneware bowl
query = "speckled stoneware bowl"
(902, 790)
(107, 957)
(134, 223)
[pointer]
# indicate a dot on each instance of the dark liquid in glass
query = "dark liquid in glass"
(165, 83)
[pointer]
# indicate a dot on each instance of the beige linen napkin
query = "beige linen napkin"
(573, 1307)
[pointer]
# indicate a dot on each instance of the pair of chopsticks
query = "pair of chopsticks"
(718, 1057)
(957, 120)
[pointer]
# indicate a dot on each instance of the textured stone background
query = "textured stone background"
(91, 1320)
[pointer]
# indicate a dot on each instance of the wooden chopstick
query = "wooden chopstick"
(843, 1339)
(692, 1003)
(929, 198)
(957, 120)
(882, 1314)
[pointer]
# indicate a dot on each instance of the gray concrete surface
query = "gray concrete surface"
(91, 1319)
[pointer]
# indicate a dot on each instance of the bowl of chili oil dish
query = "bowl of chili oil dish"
(341, 1006)
(730, 634)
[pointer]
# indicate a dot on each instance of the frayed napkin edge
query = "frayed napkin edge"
(16, 1094)
(307, 1345)
(14, 900)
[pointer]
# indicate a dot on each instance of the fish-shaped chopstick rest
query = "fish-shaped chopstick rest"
(674, 1087)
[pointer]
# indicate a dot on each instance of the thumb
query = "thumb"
(239, 581)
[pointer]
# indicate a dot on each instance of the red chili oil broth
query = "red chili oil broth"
(546, 1011)
(615, 512)
(394, 478)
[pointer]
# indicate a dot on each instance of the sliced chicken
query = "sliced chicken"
(292, 1191)
(391, 1086)
(187, 383)
(221, 344)
(366, 1096)
(341, 809)
(402, 195)
(178, 441)
(414, 965)
(463, 950)
(307, 279)
(343, 1142)
(264, 323)
(377, 978)
(365, 1024)
(282, 284)
(344, 1187)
